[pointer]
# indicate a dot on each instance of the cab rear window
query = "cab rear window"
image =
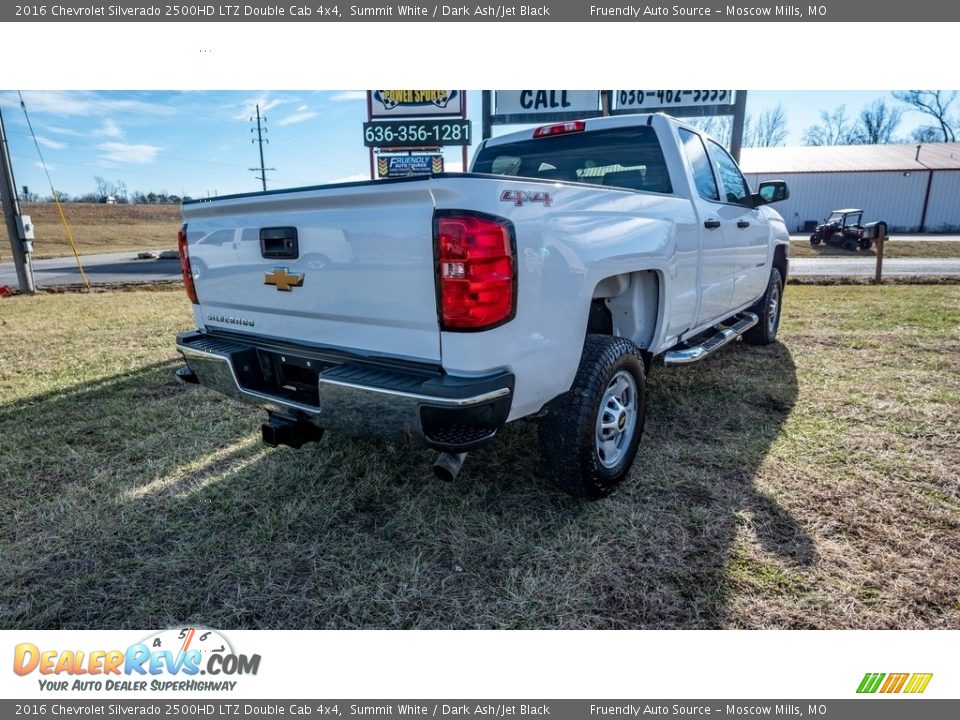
(620, 157)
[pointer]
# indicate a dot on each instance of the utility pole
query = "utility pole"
(739, 118)
(260, 141)
(487, 111)
(11, 211)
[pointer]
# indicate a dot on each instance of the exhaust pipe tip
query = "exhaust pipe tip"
(447, 466)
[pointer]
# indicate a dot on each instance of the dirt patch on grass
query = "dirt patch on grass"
(809, 484)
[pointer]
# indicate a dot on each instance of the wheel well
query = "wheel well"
(627, 305)
(780, 260)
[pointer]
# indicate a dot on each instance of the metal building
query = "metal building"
(914, 188)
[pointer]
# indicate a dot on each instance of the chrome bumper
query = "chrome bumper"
(366, 399)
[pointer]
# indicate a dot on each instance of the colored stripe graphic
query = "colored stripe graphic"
(894, 682)
(870, 682)
(918, 682)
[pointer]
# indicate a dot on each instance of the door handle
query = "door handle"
(711, 224)
(279, 242)
(743, 224)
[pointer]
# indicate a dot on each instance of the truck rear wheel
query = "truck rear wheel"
(589, 438)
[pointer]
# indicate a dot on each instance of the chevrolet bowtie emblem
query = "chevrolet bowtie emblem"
(281, 280)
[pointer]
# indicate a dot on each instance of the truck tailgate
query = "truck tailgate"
(362, 278)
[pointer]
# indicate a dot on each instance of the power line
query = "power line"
(56, 196)
(260, 141)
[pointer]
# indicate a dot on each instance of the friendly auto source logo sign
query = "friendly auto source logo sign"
(170, 660)
(394, 166)
(415, 103)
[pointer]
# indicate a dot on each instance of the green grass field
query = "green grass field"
(809, 484)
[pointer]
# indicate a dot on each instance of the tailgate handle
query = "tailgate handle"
(279, 242)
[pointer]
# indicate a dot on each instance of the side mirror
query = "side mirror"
(771, 191)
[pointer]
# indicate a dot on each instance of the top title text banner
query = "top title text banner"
(312, 11)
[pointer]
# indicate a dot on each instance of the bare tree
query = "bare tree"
(717, 126)
(104, 186)
(769, 130)
(834, 129)
(878, 124)
(936, 104)
(926, 134)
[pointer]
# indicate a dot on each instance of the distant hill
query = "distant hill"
(101, 228)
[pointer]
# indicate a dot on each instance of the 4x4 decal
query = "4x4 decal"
(519, 197)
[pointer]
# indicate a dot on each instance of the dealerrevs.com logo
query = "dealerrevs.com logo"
(169, 660)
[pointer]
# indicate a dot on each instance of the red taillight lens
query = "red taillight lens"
(476, 271)
(560, 128)
(185, 266)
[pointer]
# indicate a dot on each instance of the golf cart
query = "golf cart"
(844, 228)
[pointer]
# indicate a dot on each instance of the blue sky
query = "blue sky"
(198, 143)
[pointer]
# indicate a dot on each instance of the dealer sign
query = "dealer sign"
(393, 166)
(522, 102)
(415, 103)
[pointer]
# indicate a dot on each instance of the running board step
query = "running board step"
(714, 342)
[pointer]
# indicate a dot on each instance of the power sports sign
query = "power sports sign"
(415, 103)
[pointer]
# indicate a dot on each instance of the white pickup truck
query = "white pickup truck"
(542, 284)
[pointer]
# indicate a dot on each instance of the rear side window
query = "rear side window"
(620, 157)
(700, 164)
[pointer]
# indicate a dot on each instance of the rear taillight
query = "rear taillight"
(476, 271)
(560, 128)
(185, 266)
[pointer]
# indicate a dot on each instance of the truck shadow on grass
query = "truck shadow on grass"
(140, 502)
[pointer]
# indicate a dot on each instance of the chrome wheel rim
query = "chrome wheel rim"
(773, 309)
(616, 419)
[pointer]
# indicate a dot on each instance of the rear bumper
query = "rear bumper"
(346, 393)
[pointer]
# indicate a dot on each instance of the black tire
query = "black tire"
(866, 243)
(850, 245)
(571, 454)
(814, 240)
(767, 309)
